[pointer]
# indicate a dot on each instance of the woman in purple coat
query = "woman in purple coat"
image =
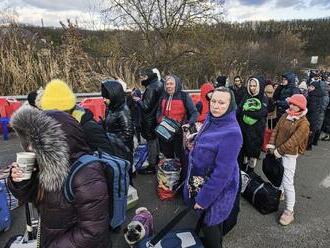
(214, 158)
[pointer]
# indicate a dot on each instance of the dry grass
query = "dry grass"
(27, 62)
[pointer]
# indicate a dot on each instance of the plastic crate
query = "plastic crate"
(95, 105)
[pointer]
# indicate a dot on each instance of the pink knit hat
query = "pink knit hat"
(298, 100)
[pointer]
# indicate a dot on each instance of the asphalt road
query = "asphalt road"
(311, 228)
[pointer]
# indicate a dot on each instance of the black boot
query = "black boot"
(316, 137)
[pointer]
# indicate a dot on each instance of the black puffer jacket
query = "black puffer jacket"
(118, 119)
(282, 92)
(149, 104)
(253, 134)
(58, 142)
(96, 136)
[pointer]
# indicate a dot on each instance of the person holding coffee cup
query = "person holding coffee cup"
(25, 165)
(52, 142)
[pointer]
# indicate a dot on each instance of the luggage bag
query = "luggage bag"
(184, 238)
(262, 195)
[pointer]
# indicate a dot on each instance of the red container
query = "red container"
(3, 104)
(12, 106)
(8, 106)
(95, 105)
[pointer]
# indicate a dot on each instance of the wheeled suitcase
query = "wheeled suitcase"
(184, 238)
(262, 195)
(29, 239)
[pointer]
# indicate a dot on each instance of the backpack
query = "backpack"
(5, 219)
(116, 170)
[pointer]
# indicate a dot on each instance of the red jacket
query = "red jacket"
(205, 89)
(174, 109)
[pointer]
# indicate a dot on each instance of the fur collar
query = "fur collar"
(49, 143)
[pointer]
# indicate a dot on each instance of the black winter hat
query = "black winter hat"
(151, 75)
(32, 98)
(220, 81)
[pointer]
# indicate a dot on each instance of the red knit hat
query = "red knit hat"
(298, 100)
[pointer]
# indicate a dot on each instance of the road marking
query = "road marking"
(326, 182)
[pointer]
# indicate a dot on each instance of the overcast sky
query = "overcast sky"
(52, 11)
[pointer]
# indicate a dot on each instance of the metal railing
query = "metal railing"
(81, 96)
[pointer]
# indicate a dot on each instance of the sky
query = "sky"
(52, 11)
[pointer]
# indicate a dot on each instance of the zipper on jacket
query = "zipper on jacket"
(120, 175)
(120, 178)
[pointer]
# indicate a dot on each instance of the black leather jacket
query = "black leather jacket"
(118, 119)
(120, 123)
(149, 105)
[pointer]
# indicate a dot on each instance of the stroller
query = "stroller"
(30, 237)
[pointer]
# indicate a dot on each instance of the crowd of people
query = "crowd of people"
(234, 117)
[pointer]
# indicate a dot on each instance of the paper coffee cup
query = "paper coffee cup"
(26, 161)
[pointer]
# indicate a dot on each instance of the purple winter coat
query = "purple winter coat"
(216, 149)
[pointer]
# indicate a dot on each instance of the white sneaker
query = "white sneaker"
(286, 218)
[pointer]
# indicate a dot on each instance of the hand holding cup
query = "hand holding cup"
(24, 166)
(16, 172)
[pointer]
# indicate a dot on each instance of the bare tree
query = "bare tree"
(161, 21)
(7, 15)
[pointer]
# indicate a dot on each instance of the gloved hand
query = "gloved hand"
(270, 148)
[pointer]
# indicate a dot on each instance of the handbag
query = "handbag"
(195, 184)
(273, 169)
(252, 104)
(267, 135)
(167, 129)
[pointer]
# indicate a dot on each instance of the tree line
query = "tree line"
(31, 56)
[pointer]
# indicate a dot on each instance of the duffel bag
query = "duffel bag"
(262, 195)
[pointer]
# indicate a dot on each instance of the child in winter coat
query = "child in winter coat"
(289, 139)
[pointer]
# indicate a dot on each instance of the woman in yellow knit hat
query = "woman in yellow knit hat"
(58, 95)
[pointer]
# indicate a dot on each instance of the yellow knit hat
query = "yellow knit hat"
(57, 96)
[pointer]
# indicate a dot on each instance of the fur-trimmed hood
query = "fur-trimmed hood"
(55, 137)
(260, 87)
